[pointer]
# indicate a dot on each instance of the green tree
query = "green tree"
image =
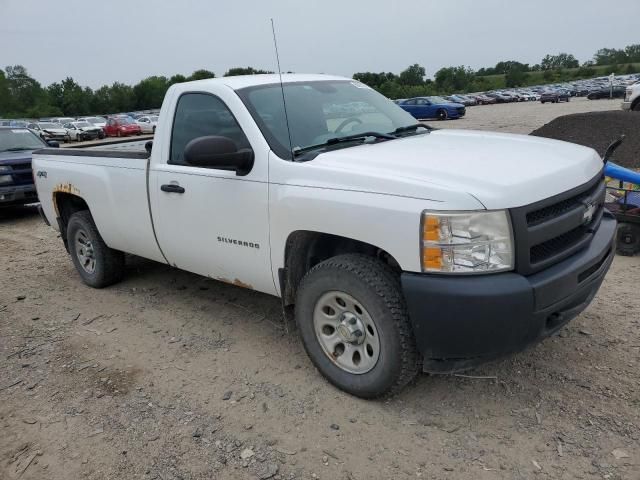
(633, 53)
(201, 75)
(25, 91)
(6, 102)
(375, 80)
(610, 56)
(455, 79)
(232, 72)
(413, 75)
(562, 60)
(149, 93)
(177, 78)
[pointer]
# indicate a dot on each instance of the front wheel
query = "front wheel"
(442, 114)
(354, 325)
(636, 107)
(628, 239)
(98, 265)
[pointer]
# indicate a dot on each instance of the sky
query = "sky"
(100, 42)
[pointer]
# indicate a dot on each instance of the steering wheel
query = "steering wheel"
(347, 122)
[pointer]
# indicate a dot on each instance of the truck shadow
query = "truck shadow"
(17, 212)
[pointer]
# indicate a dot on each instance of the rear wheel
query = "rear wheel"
(98, 265)
(628, 239)
(354, 326)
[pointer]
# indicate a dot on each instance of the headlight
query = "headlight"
(466, 242)
(627, 96)
(5, 179)
(4, 169)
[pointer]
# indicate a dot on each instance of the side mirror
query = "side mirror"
(53, 144)
(218, 152)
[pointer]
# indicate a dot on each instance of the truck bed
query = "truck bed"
(114, 183)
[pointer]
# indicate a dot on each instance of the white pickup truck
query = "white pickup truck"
(397, 247)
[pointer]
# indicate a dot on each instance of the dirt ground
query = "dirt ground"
(173, 376)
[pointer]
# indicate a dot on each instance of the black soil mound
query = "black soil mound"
(597, 130)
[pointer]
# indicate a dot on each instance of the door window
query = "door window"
(201, 115)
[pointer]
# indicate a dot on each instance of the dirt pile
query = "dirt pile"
(597, 130)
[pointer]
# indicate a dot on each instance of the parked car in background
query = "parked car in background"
(462, 99)
(483, 99)
(50, 131)
(618, 92)
(16, 178)
(81, 131)
(97, 121)
(433, 107)
(148, 123)
(632, 98)
(554, 96)
(121, 127)
(499, 97)
(61, 120)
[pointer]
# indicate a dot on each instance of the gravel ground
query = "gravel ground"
(173, 376)
(523, 117)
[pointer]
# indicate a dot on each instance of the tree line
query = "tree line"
(562, 67)
(23, 96)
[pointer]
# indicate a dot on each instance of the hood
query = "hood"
(499, 170)
(55, 130)
(8, 158)
(89, 129)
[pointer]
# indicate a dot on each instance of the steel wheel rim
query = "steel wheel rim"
(84, 251)
(337, 319)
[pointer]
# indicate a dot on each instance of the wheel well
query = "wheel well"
(635, 103)
(66, 204)
(305, 249)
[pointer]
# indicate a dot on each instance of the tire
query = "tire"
(636, 107)
(154, 131)
(442, 114)
(370, 292)
(101, 135)
(628, 239)
(98, 265)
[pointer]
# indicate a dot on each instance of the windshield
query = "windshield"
(19, 139)
(320, 110)
(45, 125)
(126, 121)
(438, 100)
(153, 118)
(82, 124)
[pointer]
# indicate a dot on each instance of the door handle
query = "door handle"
(172, 188)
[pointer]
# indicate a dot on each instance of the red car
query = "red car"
(121, 127)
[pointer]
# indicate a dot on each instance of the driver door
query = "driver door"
(211, 221)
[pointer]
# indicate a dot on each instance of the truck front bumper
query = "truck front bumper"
(18, 195)
(462, 321)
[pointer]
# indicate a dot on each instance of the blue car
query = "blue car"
(432, 107)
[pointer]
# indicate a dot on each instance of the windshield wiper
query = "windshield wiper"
(17, 149)
(413, 128)
(348, 138)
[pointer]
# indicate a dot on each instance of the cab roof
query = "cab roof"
(243, 81)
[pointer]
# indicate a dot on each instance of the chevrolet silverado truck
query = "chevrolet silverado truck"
(396, 247)
(16, 180)
(632, 98)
